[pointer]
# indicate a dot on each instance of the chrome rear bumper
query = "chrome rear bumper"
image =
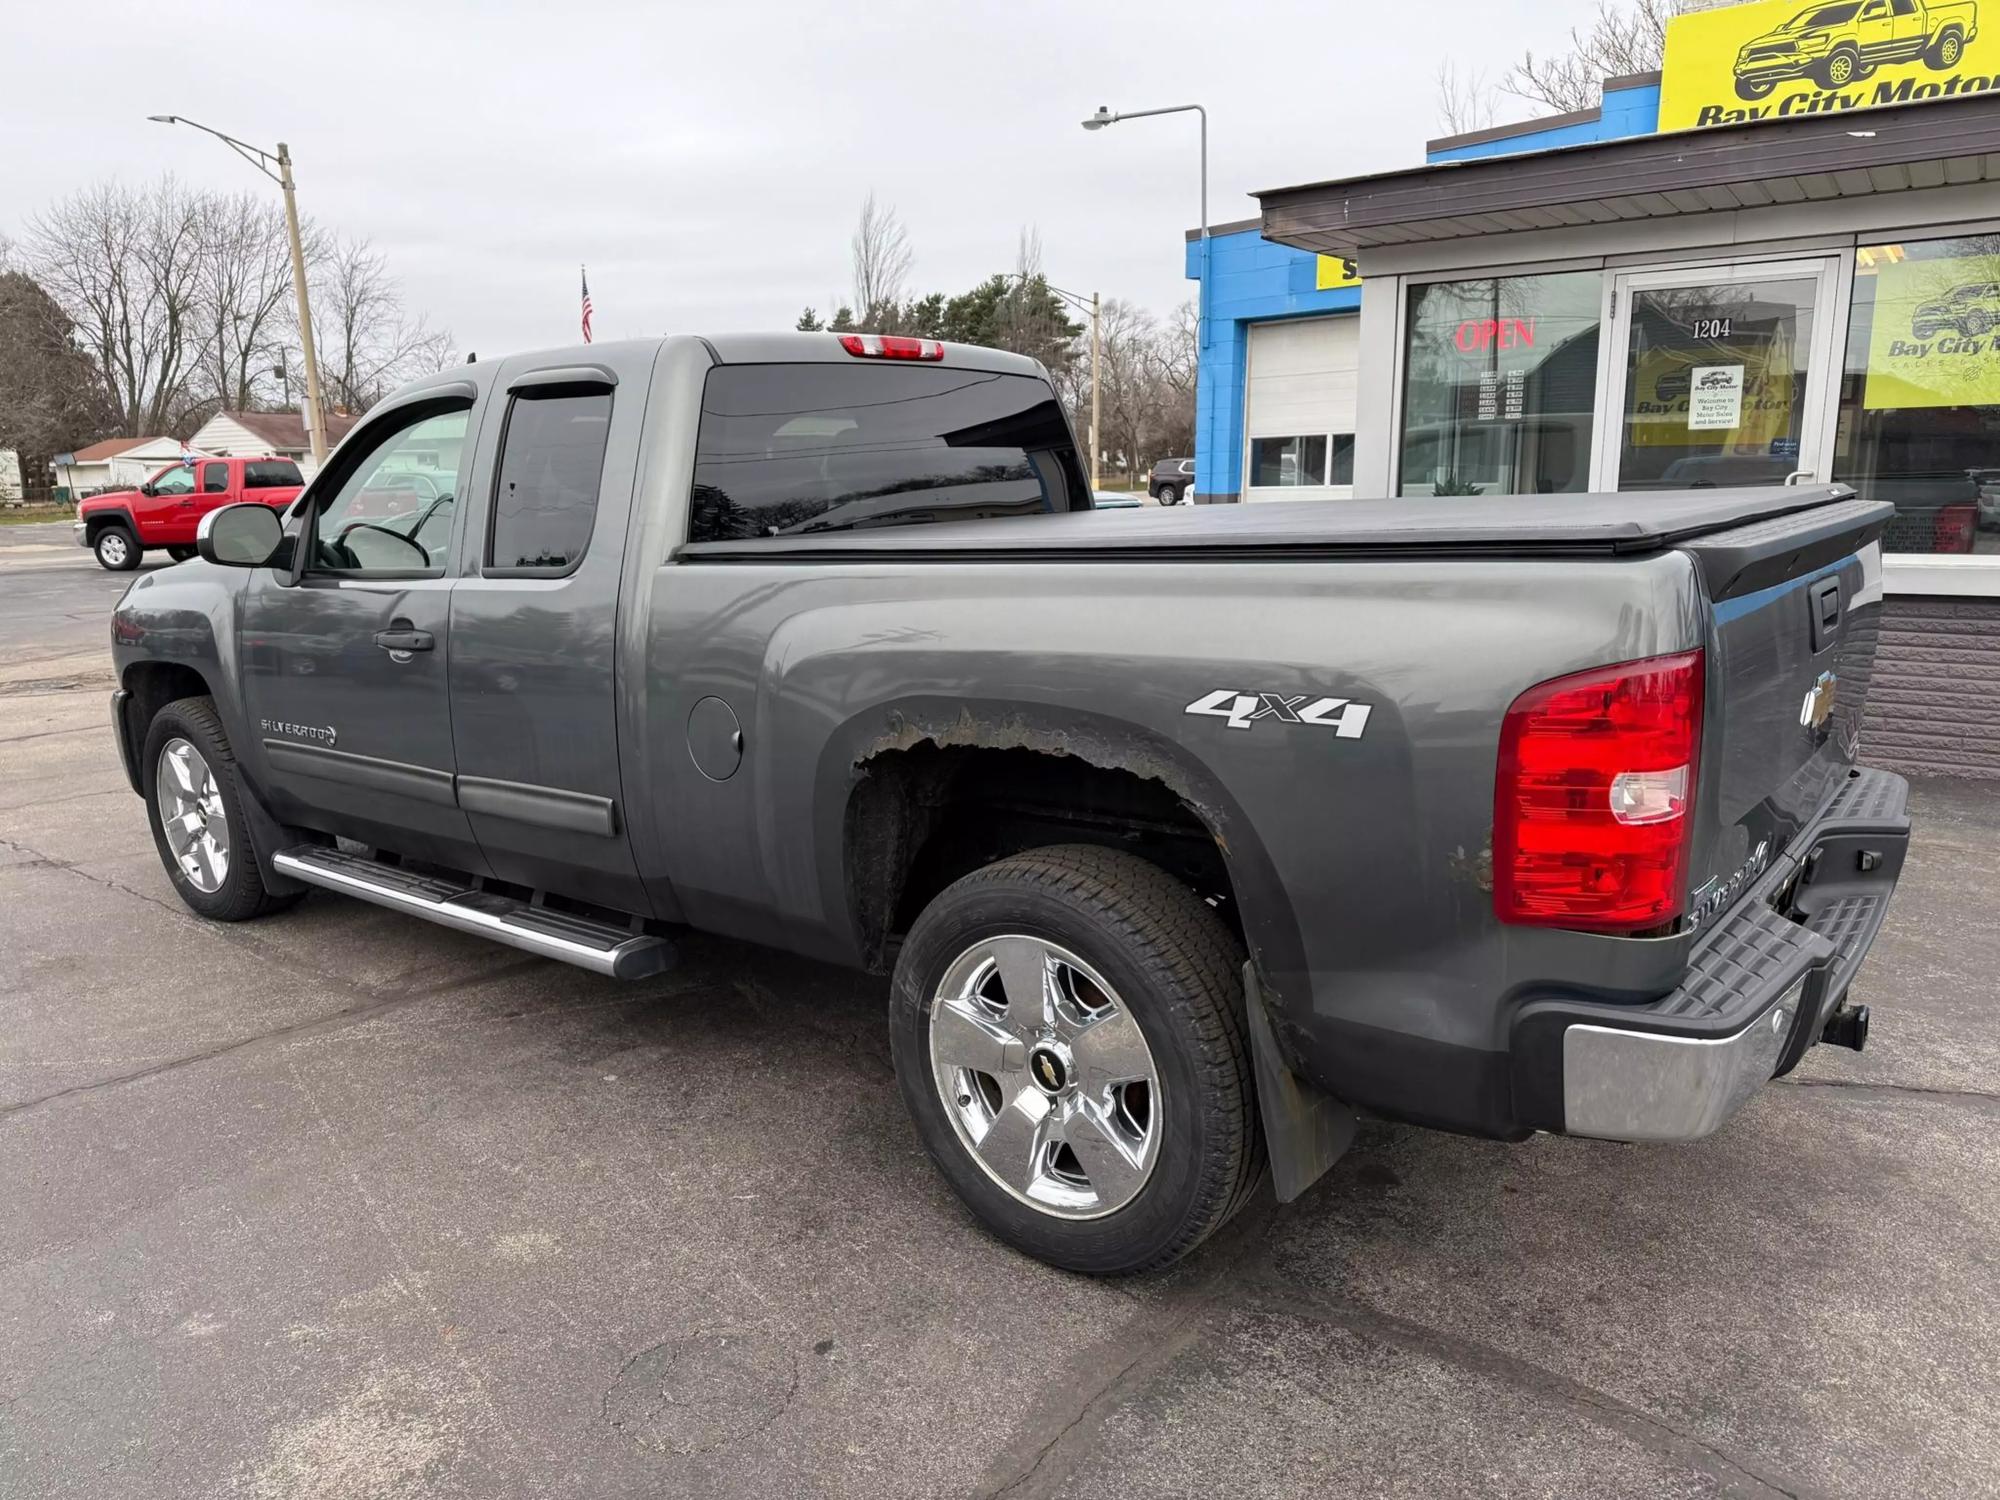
(1642, 1086)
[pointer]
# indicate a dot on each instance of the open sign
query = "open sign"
(1477, 334)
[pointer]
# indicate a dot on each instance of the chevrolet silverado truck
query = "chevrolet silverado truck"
(1187, 835)
(1835, 45)
(119, 526)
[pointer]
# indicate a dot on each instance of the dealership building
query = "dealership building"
(1736, 272)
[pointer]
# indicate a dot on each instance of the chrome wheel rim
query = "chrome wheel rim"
(191, 816)
(112, 547)
(1046, 1076)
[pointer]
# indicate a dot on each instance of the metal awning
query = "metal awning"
(1803, 159)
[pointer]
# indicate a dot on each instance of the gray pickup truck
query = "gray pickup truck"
(1188, 835)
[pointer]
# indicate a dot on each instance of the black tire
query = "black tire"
(1178, 970)
(1754, 88)
(123, 549)
(1978, 323)
(1946, 50)
(1169, 494)
(1839, 68)
(180, 554)
(242, 893)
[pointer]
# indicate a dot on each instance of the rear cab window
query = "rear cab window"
(793, 449)
(271, 474)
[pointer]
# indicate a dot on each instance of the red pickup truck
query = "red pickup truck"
(120, 525)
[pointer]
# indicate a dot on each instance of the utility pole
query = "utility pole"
(263, 161)
(315, 413)
(1096, 446)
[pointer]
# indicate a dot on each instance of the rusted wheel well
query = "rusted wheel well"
(920, 818)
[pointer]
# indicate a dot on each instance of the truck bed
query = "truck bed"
(1473, 525)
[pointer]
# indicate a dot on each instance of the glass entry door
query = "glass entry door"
(1718, 376)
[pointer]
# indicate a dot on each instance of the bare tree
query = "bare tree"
(51, 398)
(1464, 99)
(368, 345)
(882, 263)
(245, 303)
(1623, 38)
(125, 265)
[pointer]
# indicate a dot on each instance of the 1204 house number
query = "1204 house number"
(1709, 328)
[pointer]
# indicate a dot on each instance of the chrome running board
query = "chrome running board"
(589, 944)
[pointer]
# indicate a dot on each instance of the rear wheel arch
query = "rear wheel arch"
(919, 806)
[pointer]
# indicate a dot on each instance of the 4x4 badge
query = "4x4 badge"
(1343, 716)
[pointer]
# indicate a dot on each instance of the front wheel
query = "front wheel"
(117, 550)
(196, 808)
(1067, 1027)
(1838, 70)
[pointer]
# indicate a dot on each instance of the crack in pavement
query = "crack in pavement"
(1269, 1292)
(1119, 1369)
(1244, 1280)
(369, 999)
(1979, 1097)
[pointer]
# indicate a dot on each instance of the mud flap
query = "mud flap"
(1305, 1131)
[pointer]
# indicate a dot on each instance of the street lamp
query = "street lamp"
(263, 161)
(1094, 306)
(1106, 116)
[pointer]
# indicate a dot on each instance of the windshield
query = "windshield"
(1820, 15)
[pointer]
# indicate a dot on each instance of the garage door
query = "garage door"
(1298, 409)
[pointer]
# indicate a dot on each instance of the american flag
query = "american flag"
(586, 307)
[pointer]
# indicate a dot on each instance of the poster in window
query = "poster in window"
(1935, 340)
(1715, 398)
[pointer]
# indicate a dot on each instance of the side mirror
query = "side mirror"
(239, 536)
(148, 489)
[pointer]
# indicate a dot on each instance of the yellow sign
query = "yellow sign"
(1784, 58)
(1935, 340)
(1678, 391)
(1335, 271)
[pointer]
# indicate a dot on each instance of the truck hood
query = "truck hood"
(109, 500)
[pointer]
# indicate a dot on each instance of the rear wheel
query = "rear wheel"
(1946, 50)
(196, 808)
(117, 549)
(180, 554)
(1067, 1026)
(1754, 88)
(1168, 494)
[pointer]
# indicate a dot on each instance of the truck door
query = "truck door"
(533, 626)
(344, 672)
(164, 508)
(212, 494)
(1875, 29)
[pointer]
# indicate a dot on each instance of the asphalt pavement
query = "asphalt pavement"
(340, 1204)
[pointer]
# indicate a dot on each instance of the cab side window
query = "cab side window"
(215, 479)
(175, 482)
(379, 521)
(545, 496)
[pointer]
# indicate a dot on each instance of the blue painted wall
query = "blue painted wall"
(1250, 280)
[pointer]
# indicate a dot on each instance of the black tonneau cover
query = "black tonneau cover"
(1644, 521)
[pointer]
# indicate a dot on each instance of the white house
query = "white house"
(235, 434)
(114, 463)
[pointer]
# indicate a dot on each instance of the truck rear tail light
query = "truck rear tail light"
(890, 346)
(1591, 806)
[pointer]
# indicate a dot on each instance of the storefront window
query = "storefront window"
(1920, 392)
(1286, 462)
(1500, 377)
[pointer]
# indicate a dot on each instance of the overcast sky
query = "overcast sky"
(707, 160)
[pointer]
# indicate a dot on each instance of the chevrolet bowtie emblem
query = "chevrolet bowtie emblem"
(1818, 707)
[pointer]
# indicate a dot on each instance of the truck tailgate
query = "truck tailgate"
(1794, 605)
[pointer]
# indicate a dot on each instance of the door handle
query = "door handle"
(405, 640)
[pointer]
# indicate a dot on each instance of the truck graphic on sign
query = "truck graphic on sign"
(1969, 311)
(1835, 45)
